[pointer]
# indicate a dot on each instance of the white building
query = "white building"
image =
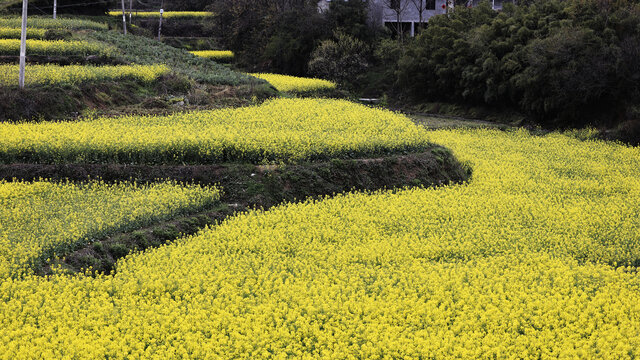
(407, 12)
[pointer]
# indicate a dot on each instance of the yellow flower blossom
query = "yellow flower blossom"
(55, 47)
(49, 23)
(166, 14)
(15, 33)
(296, 84)
(75, 74)
(535, 258)
(283, 130)
(218, 55)
(43, 218)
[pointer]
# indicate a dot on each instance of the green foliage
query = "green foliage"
(565, 63)
(386, 56)
(340, 60)
(351, 18)
(295, 34)
(187, 5)
(142, 50)
(572, 71)
(280, 36)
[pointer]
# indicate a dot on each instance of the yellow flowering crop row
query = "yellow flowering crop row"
(218, 55)
(15, 33)
(55, 47)
(75, 74)
(296, 84)
(42, 218)
(514, 264)
(49, 23)
(166, 14)
(285, 130)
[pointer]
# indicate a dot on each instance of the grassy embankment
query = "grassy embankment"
(190, 83)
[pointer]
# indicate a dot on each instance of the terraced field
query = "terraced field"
(281, 130)
(534, 256)
(166, 14)
(42, 219)
(41, 22)
(77, 74)
(217, 55)
(296, 84)
(15, 33)
(57, 47)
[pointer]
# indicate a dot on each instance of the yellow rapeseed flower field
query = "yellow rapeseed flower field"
(280, 130)
(15, 33)
(49, 23)
(296, 84)
(56, 47)
(535, 258)
(41, 218)
(218, 55)
(75, 74)
(166, 14)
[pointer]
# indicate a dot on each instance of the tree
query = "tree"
(269, 35)
(421, 6)
(564, 63)
(351, 18)
(342, 59)
(295, 34)
(398, 7)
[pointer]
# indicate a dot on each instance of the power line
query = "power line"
(37, 8)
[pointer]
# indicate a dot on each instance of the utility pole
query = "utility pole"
(55, 9)
(130, 10)
(23, 44)
(160, 23)
(124, 19)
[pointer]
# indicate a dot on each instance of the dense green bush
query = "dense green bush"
(280, 36)
(340, 60)
(564, 63)
(352, 18)
(295, 35)
(274, 36)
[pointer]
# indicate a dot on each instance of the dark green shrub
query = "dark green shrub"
(340, 60)
(563, 63)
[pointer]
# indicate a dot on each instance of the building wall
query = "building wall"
(381, 14)
(409, 12)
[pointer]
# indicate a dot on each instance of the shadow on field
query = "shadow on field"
(244, 187)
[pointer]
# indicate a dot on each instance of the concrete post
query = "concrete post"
(23, 44)
(124, 20)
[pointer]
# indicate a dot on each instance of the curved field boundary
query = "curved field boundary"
(243, 187)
